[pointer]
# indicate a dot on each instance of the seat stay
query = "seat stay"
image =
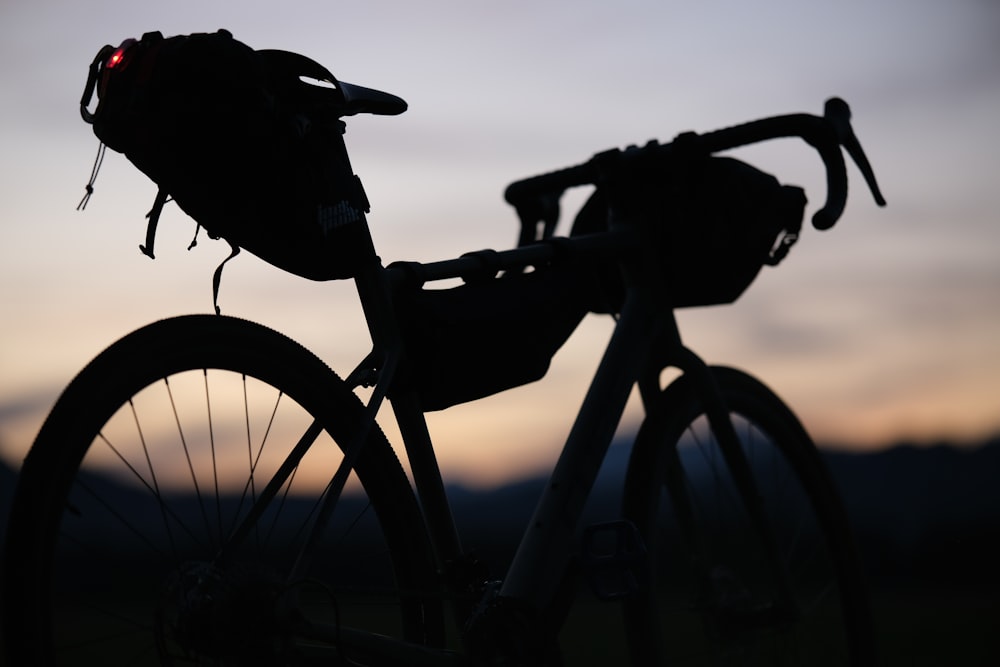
(378, 369)
(352, 453)
(334, 488)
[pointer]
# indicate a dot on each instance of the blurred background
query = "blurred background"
(881, 331)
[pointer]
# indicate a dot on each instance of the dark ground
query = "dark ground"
(927, 521)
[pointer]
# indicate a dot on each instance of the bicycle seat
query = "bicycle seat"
(368, 100)
(355, 99)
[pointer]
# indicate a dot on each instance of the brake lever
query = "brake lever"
(541, 208)
(838, 114)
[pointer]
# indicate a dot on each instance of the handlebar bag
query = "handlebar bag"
(242, 144)
(715, 222)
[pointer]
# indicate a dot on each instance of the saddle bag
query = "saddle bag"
(248, 143)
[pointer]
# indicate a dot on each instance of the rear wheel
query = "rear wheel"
(715, 593)
(156, 522)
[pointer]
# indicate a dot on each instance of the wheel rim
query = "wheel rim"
(165, 482)
(715, 597)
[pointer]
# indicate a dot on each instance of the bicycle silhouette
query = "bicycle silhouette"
(207, 491)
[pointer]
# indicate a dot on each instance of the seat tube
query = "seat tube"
(548, 542)
(374, 290)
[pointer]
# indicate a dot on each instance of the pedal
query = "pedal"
(614, 559)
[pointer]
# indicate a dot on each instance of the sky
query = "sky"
(885, 328)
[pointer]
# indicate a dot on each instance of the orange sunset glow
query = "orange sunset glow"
(883, 329)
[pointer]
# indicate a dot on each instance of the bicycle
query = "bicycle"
(207, 491)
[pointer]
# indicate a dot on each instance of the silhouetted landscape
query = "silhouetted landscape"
(927, 521)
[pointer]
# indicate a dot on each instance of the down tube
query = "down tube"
(548, 542)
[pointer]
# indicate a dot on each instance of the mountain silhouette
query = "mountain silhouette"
(928, 514)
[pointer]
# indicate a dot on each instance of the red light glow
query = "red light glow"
(116, 57)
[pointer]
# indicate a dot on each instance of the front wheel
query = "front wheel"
(722, 589)
(176, 509)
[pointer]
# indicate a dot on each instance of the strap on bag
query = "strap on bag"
(154, 217)
(217, 277)
(147, 249)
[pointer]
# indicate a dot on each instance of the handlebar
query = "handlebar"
(533, 197)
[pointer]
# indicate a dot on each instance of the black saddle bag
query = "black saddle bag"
(241, 141)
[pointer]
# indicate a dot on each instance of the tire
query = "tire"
(119, 545)
(711, 597)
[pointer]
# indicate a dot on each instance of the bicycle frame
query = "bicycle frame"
(645, 341)
(588, 440)
(230, 592)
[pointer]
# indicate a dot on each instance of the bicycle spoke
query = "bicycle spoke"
(275, 484)
(187, 456)
(149, 465)
(214, 459)
(166, 513)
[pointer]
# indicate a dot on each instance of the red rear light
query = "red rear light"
(118, 55)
